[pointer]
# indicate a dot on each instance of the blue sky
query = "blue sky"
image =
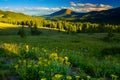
(43, 7)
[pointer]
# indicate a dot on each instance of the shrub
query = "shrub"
(22, 32)
(35, 31)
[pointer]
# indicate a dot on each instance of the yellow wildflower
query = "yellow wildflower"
(53, 55)
(58, 76)
(68, 63)
(68, 77)
(61, 59)
(88, 77)
(43, 79)
(56, 58)
(77, 77)
(27, 48)
(114, 76)
(66, 58)
(49, 62)
(39, 62)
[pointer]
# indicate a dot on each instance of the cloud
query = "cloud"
(73, 4)
(55, 9)
(105, 6)
(87, 7)
(35, 8)
(82, 5)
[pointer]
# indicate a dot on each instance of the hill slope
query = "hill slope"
(62, 12)
(106, 16)
(65, 13)
(8, 16)
(13, 15)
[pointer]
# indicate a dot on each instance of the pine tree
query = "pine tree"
(34, 30)
(21, 32)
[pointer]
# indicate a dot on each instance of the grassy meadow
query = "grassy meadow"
(55, 55)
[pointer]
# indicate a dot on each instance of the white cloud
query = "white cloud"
(35, 8)
(72, 4)
(90, 5)
(105, 6)
(83, 5)
(55, 9)
(86, 7)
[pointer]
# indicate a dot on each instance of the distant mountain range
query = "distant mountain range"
(106, 16)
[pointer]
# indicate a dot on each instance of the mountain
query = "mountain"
(13, 16)
(9, 14)
(106, 16)
(64, 13)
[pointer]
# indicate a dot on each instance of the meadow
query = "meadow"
(55, 55)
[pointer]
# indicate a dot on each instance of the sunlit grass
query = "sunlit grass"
(6, 25)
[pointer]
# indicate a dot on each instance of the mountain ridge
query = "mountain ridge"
(105, 16)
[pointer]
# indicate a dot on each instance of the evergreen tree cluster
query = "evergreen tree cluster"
(78, 27)
(33, 29)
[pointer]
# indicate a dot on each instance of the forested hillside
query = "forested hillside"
(111, 16)
(19, 18)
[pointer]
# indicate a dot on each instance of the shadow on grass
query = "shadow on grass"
(14, 31)
(11, 31)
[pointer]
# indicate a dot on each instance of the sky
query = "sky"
(44, 7)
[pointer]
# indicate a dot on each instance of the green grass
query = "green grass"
(82, 50)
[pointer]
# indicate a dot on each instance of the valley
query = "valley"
(64, 45)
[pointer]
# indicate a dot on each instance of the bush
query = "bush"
(22, 33)
(35, 31)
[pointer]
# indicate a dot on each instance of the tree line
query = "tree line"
(69, 27)
(82, 27)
